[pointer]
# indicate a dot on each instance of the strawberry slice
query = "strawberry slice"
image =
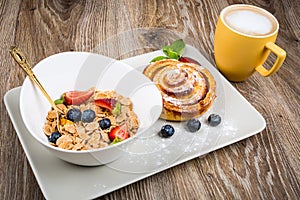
(188, 60)
(119, 132)
(106, 103)
(77, 97)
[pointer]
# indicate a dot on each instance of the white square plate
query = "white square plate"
(149, 154)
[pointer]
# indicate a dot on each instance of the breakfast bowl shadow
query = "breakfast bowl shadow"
(80, 71)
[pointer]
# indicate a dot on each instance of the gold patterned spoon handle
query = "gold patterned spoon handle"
(22, 61)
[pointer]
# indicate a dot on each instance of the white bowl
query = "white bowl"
(79, 71)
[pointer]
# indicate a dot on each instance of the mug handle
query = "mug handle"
(279, 52)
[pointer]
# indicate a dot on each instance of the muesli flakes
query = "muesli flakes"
(78, 135)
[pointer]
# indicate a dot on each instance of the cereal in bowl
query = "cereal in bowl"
(92, 119)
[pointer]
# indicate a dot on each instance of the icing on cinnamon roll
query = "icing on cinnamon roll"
(187, 89)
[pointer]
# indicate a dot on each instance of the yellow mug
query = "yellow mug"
(244, 37)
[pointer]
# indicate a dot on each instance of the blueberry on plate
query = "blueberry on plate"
(167, 131)
(54, 136)
(74, 115)
(104, 123)
(88, 115)
(193, 125)
(214, 120)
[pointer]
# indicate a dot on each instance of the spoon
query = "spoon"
(22, 61)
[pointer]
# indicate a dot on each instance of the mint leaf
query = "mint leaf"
(117, 109)
(175, 50)
(178, 46)
(158, 58)
(116, 140)
(170, 53)
(59, 101)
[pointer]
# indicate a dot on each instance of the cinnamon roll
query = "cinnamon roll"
(188, 90)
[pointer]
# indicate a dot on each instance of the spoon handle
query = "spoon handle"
(22, 61)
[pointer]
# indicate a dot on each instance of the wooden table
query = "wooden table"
(264, 166)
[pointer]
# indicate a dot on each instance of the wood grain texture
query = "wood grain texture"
(264, 166)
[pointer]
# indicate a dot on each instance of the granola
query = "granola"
(92, 119)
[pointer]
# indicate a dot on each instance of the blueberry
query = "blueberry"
(104, 123)
(193, 125)
(74, 115)
(88, 115)
(167, 131)
(214, 120)
(54, 136)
